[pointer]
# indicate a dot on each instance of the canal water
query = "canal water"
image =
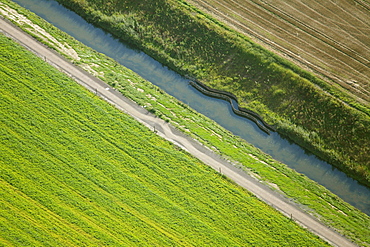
(220, 111)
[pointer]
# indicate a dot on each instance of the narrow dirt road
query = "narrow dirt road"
(170, 133)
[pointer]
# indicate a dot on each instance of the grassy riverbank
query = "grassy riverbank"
(76, 171)
(326, 37)
(304, 108)
(316, 200)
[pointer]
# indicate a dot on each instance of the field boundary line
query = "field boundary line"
(331, 78)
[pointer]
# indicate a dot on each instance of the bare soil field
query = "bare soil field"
(330, 38)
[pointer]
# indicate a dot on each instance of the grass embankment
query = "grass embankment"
(192, 43)
(76, 171)
(316, 199)
(315, 34)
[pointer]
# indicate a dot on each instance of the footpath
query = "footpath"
(165, 130)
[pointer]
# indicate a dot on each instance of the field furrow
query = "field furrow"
(325, 37)
(313, 26)
(76, 171)
(117, 171)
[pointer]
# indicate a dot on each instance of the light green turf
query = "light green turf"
(316, 199)
(75, 171)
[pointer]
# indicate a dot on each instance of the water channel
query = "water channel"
(220, 111)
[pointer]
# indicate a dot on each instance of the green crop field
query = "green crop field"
(315, 199)
(75, 171)
(304, 108)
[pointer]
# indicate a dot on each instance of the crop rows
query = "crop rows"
(321, 202)
(328, 38)
(76, 171)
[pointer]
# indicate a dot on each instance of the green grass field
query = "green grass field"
(317, 200)
(77, 172)
(304, 108)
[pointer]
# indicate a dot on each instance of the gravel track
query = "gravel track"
(168, 132)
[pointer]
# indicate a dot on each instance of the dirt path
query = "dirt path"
(170, 133)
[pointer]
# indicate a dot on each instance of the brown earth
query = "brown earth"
(330, 38)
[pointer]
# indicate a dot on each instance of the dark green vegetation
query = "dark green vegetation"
(304, 108)
(316, 200)
(76, 171)
(330, 38)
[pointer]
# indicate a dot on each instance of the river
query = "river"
(218, 110)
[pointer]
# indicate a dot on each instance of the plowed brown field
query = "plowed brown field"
(329, 37)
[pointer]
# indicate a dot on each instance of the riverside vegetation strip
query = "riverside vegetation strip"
(330, 38)
(323, 204)
(76, 171)
(304, 108)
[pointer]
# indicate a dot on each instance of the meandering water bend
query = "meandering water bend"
(220, 111)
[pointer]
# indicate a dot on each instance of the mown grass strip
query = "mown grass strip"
(319, 201)
(91, 175)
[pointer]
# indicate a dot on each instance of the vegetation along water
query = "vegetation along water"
(336, 213)
(304, 108)
(75, 171)
(279, 148)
